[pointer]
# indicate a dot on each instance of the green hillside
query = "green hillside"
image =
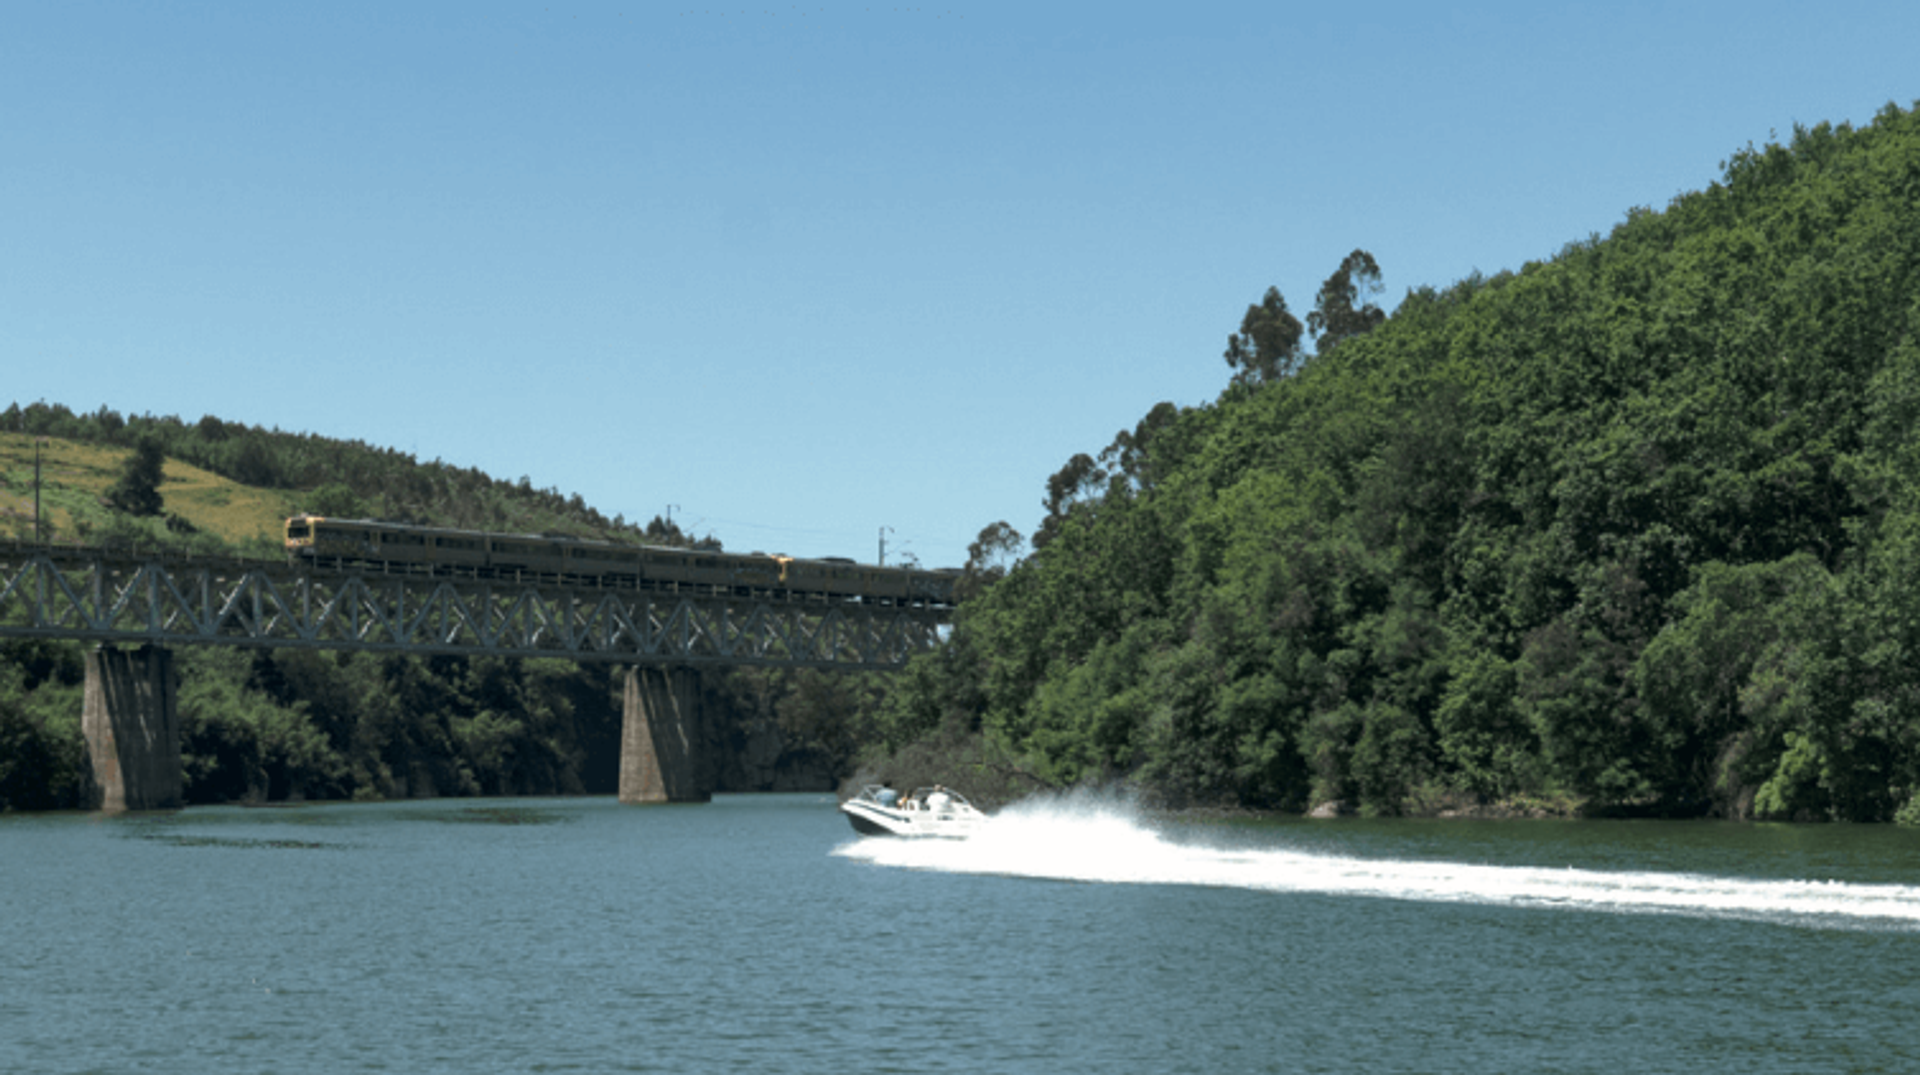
(278, 725)
(1633, 529)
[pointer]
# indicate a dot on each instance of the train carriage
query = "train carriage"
(339, 543)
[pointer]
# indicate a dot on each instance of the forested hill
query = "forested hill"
(317, 473)
(1636, 528)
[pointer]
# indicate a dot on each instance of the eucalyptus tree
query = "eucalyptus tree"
(1338, 312)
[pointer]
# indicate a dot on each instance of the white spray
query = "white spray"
(1103, 839)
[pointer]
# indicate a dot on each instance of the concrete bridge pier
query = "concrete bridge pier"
(662, 744)
(132, 729)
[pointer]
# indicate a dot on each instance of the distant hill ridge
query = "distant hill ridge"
(237, 483)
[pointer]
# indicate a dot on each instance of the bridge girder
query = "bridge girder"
(100, 596)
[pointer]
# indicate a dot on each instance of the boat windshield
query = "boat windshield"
(941, 798)
(936, 797)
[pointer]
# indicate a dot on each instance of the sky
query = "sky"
(814, 277)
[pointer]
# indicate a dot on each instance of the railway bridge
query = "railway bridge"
(137, 605)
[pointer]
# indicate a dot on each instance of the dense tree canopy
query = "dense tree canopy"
(1634, 527)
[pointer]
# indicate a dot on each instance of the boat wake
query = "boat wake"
(1105, 841)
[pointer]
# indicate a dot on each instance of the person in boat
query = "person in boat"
(886, 796)
(938, 799)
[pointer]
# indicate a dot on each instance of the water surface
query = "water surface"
(579, 935)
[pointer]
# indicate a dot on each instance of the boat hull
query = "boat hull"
(867, 826)
(870, 818)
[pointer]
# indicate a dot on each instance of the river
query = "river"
(757, 933)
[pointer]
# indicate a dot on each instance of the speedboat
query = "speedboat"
(936, 811)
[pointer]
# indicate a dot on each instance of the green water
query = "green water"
(757, 933)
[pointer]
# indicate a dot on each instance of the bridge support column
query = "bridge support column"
(132, 728)
(661, 740)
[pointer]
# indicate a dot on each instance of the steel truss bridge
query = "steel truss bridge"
(135, 597)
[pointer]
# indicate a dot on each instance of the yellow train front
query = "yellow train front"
(397, 548)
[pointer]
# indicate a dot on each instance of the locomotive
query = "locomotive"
(366, 544)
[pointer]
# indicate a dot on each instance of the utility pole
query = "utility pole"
(37, 537)
(883, 545)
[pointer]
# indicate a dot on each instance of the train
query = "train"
(371, 545)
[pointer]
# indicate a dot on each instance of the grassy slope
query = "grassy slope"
(76, 476)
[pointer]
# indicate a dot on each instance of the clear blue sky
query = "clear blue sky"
(807, 271)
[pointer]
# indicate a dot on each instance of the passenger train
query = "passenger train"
(345, 544)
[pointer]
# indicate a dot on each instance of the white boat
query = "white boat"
(936, 811)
